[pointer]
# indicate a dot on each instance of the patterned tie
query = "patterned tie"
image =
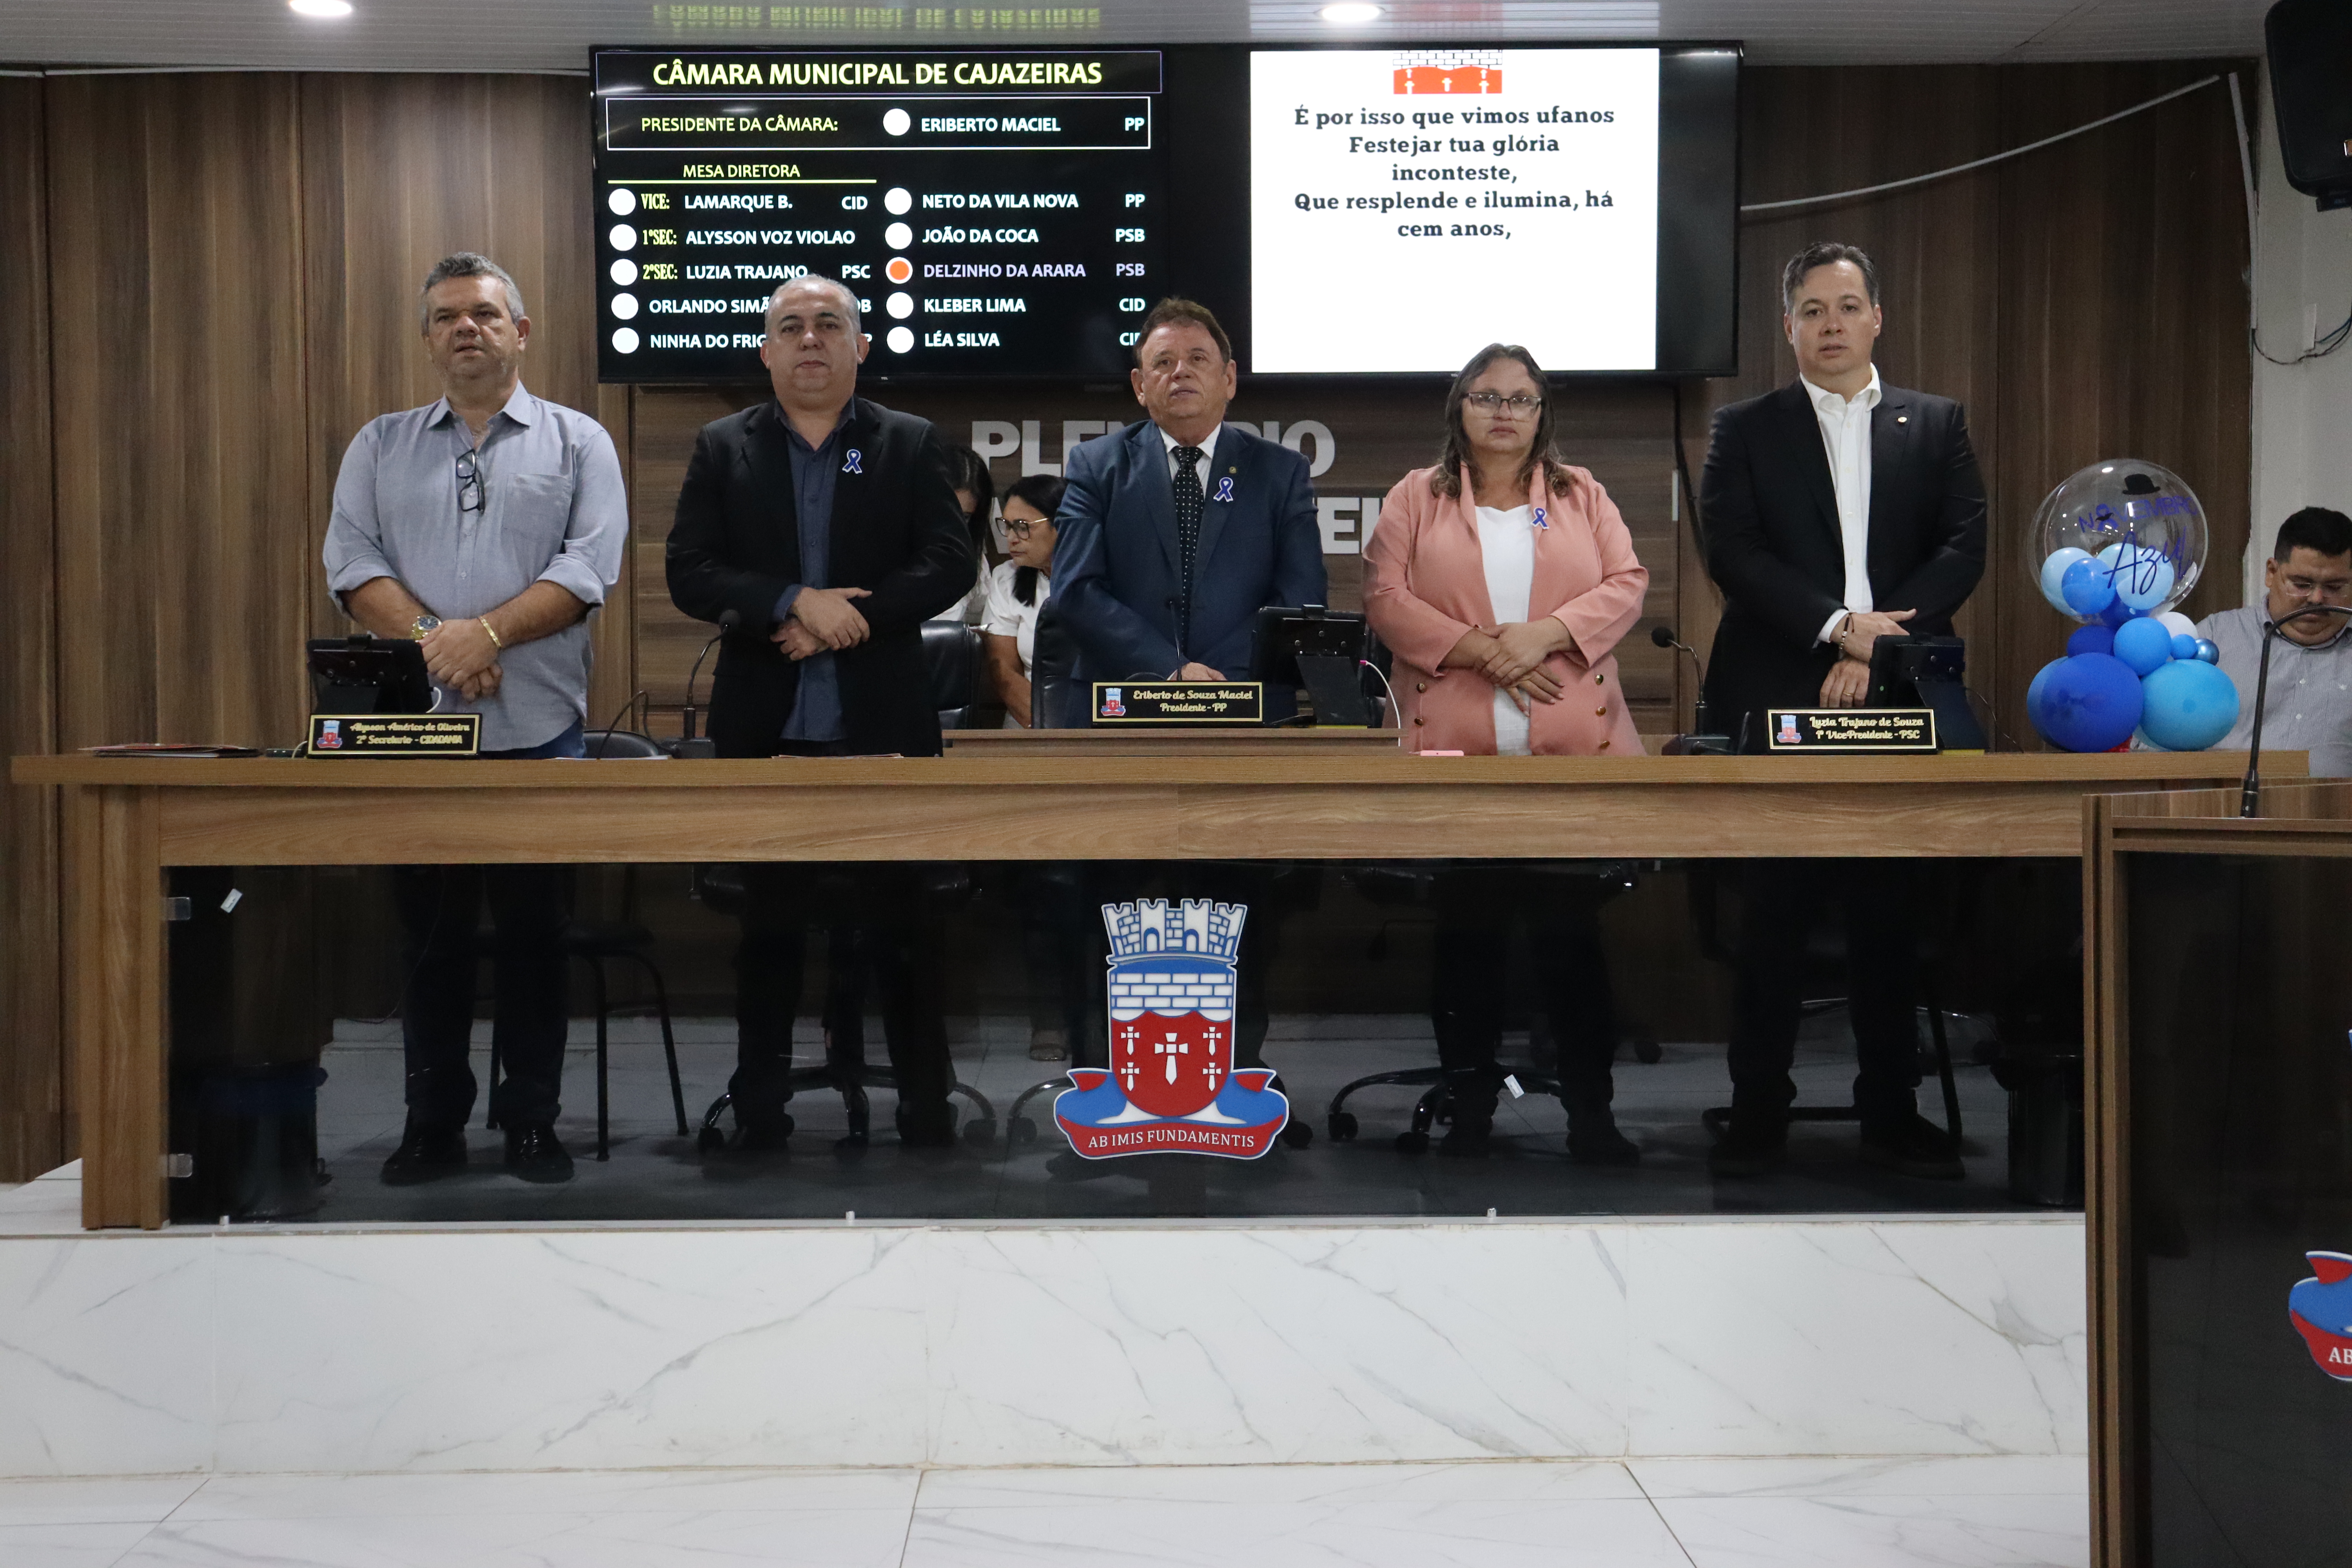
(1188, 504)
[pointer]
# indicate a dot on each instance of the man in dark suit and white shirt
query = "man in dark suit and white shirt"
(1175, 532)
(820, 531)
(1837, 510)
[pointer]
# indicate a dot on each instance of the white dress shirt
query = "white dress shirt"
(1845, 438)
(1506, 548)
(1208, 450)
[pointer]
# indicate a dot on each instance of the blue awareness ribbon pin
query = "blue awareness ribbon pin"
(850, 467)
(1225, 489)
(1538, 520)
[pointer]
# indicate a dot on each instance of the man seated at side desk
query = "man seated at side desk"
(1176, 530)
(2309, 703)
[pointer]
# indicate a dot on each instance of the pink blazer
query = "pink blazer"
(1426, 585)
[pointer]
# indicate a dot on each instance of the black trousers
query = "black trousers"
(1479, 909)
(1783, 901)
(439, 906)
(1062, 944)
(896, 940)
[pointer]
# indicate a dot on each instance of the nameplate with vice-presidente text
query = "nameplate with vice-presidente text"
(1852, 730)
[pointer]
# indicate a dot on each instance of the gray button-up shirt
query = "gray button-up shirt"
(816, 710)
(2309, 705)
(554, 511)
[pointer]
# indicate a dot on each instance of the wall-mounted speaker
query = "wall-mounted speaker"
(2310, 46)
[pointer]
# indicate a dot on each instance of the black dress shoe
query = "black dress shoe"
(533, 1153)
(1750, 1146)
(926, 1126)
(1470, 1137)
(1593, 1138)
(1914, 1148)
(427, 1151)
(768, 1135)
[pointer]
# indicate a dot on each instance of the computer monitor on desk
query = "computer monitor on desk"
(1309, 646)
(366, 674)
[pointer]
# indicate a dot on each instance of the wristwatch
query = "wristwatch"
(424, 623)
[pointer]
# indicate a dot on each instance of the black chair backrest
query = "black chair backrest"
(605, 745)
(952, 659)
(1057, 700)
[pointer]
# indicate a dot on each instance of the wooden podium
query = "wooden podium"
(2218, 985)
(127, 819)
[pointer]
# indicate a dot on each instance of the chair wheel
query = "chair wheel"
(1296, 1134)
(980, 1132)
(709, 1140)
(852, 1147)
(1412, 1142)
(1021, 1130)
(1647, 1051)
(1342, 1126)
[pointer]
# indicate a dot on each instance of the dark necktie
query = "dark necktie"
(1189, 505)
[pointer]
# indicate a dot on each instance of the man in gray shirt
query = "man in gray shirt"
(486, 525)
(2309, 702)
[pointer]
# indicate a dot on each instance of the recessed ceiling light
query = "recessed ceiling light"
(319, 7)
(1351, 15)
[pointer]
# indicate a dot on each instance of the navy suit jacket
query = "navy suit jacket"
(1117, 571)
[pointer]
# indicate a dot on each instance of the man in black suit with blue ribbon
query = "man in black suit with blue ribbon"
(1837, 510)
(1173, 533)
(1178, 529)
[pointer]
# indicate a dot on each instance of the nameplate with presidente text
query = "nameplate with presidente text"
(395, 735)
(1852, 730)
(1179, 702)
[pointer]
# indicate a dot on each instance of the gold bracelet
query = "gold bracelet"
(493, 631)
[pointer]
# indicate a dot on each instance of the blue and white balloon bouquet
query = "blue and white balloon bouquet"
(2117, 547)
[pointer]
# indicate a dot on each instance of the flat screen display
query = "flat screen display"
(996, 211)
(1518, 187)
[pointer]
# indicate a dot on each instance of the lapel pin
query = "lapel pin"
(1225, 489)
(1903, 419)
(851, 465)
(1538, 520)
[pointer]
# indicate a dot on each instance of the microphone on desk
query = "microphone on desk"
(2250, 794)
(687, 745)
(1664, 637)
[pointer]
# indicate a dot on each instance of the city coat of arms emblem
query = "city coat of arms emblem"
(1171, 1086)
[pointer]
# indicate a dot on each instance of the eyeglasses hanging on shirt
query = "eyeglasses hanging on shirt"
(470, 482)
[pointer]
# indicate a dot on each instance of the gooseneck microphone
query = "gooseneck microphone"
(729, 620)
(2250, 794)
(1664, 637)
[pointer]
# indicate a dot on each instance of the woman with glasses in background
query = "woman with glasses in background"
(1017, 587)
(1502, 579)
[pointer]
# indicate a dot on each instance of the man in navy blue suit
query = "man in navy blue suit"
(1178, 529)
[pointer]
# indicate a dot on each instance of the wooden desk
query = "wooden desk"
(126, 819)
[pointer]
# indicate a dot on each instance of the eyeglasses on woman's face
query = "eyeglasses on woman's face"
(1488, 402)
(1022, 527)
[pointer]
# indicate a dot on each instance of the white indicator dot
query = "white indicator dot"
(625, 339)
(622, 202)
(624, 307)
(901, 340)
(900, 306)
(898, 236)
(625, 272)
(899, 200)
(623, 236)
(895, 123)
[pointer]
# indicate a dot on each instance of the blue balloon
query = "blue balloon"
(2035, 691)
(2089, 588)
(2208, 650)
(2091, 703)
(2188, 705)
(2183, 646)
(2116, 613)
(2053, 576)
(2143, 644)
(2092, 639)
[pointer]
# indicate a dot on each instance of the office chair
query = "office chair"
(1825, 961)
(1408, 883)
(597, 942)
(1057, 699)
(952, 658)
(842, 1016)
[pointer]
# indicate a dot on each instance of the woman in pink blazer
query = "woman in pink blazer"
(1502, 579)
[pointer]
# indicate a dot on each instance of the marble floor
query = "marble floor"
(655, 1174)
(1670, 1513)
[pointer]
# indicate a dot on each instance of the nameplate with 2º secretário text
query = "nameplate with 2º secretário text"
(1852, 730)
(395, 735)
(1179, 702)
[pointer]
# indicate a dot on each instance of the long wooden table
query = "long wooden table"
(127, 819)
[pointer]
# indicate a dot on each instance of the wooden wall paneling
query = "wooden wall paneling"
(34, 1091)
(2122, 322)
(400, 171)
(176, 317)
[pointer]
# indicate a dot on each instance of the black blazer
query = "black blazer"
(1769, 511)
(897, 530)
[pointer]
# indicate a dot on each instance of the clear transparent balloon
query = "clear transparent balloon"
(2120, 535)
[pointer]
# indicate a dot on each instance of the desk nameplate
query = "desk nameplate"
(1848, 730)
(1164, 702)
(404, 735)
